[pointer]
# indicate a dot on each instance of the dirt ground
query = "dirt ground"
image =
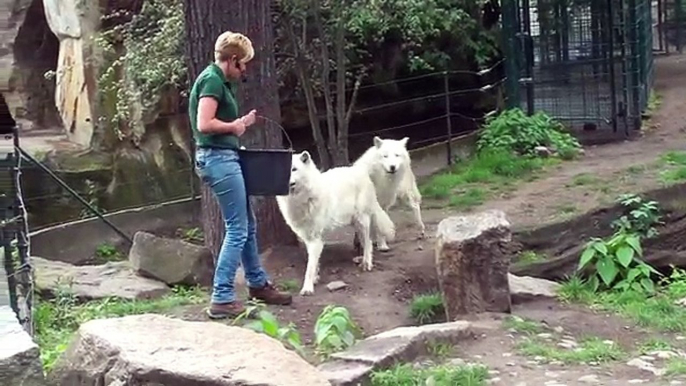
(379, 300)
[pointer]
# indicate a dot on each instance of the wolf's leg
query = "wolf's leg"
(364, 223)
(314, 252)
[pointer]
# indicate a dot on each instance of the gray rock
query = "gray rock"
(523, 288)
(157, 350)
(88, 282)
(171, 261)
(473, 263)
(336, 285)
(20, 363)
(380, 351)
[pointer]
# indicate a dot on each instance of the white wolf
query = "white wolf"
(389, 166)
(318, 202)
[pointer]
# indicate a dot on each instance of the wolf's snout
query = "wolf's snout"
(392, 168)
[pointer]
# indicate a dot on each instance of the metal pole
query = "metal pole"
(448, 116)
(74, 194)
(611, 60)
(680, 20)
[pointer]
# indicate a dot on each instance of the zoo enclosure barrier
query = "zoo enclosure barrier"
(438, 108)
(585, 62)
(669, 25)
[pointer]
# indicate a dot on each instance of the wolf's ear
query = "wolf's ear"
(404, 141)
(377, 142)
(305, 157)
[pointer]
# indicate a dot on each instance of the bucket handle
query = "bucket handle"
(290, 143)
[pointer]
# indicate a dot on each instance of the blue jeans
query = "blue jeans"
(220, 169)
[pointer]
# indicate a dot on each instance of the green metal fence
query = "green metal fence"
(585, 62)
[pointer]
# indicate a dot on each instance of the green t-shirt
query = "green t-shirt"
(212, 83)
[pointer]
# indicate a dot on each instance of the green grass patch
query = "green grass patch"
(56, 320)
(444, 375)
(290, 285)
(674, 167)
(589, 350)
(427, 308)
(675, 366)
(439, 350)
(522, 326)
(584, 179)
(471, 182)
(658, 311)
(529, 257)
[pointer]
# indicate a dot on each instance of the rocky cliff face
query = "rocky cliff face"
(50, 74)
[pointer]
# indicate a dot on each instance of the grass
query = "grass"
(522, 326)
(658, 311)
(290, 285)
(427, 308)
(439, 350)
(529, 257)
(675, 171)
(471, 182)
(589, 350)
(107, 252)
(57, 320)
(583, 179)
(407, 375)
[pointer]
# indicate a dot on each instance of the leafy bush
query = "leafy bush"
(640, 217)
(617, 263)
(334, 330)
(514, 131)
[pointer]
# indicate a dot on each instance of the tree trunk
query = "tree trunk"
(205, 20)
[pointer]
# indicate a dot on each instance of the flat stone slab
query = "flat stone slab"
(157, 350)
(403, 344)
(20, 363)
(524, 288)
(87, 282)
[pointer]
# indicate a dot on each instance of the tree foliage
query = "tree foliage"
(333, 46)
(143, 54)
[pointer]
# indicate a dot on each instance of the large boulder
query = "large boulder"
(171, 261)
(473, 262)
(161, 351)
(20, 363)
(87, 282)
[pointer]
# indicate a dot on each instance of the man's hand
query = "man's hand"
(249, 119)
(239, 126)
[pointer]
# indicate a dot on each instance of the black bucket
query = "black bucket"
(267, 172)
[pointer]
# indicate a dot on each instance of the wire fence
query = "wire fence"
(429, 109)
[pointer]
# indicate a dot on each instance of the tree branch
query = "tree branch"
(325, 76)
(353, 98)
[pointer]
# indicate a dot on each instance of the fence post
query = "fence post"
(448, 123)
(680, 20)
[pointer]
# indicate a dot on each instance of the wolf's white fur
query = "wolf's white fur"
(390, 168)
(318, 202)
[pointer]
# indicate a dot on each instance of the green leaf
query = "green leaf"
(625, 255)
(600, 247)
(648, 285)
(586, 257)
(607, 269)
(635, 243)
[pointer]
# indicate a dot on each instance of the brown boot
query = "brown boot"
(225, 310)
(270, 295)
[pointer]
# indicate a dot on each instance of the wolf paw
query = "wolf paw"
(383, 247)
(307, 291)
(367, 266)
(357, 259)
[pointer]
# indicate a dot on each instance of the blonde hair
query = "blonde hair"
(233, 44)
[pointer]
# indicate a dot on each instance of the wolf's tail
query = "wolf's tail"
(382, 222)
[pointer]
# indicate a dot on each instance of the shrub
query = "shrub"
(514, 131)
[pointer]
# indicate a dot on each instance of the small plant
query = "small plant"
(675, 284)
(617, 263)
(267, 324)
(640, 217)
(427, 308)
(439, 350)
(514, 131)
(334, 330)
(107, 252)
(522, 326)
(192, 235)
(589, 350)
